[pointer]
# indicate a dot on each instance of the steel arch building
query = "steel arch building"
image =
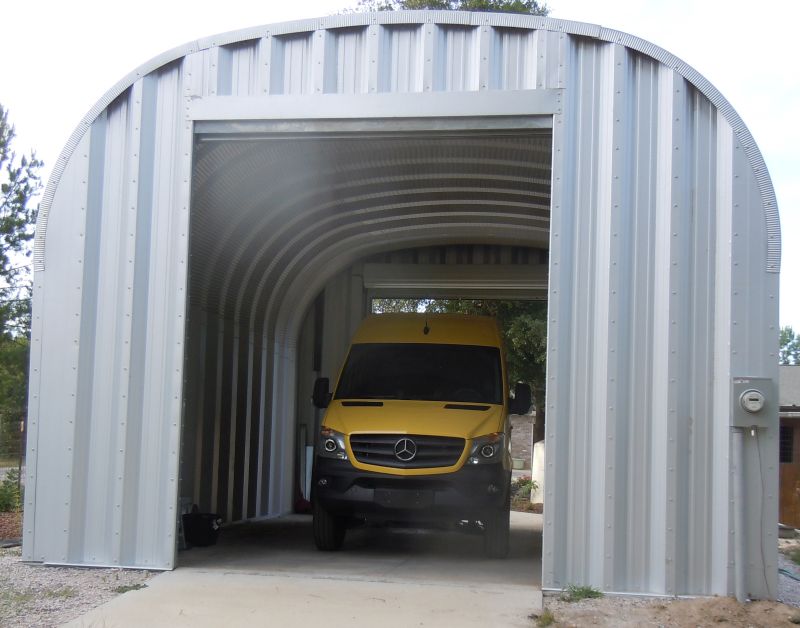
(217, 222)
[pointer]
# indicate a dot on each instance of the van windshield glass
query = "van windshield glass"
(425, 372)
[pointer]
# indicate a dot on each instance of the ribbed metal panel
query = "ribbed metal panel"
(664, 247)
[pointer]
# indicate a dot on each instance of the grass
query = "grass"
(16, 598)
(575, 593)
(794, 555)
(63, 593)
(546, 618)
(124, 588)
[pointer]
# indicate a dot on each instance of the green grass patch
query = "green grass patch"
(16, 599)
(546, 618)
(63, 593)
(124, 588)
(794, 555)
(575, 593)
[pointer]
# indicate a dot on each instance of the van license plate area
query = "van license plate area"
(403, 498)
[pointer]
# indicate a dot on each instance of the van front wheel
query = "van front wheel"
(328, 530)
(496, 532)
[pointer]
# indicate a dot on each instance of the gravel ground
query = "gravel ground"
(788, 588)
(50, 596)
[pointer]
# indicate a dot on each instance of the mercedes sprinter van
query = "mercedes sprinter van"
(417, 430)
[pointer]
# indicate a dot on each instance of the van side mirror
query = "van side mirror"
(522, 401)
(322, 395)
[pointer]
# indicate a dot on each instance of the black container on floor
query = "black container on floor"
(201, 528)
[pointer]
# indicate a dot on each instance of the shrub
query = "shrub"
(10, 497)
(522, 487)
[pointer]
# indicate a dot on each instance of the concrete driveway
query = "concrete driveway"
(269, 574)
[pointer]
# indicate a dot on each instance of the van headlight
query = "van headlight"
(330, 444)
(488, 448)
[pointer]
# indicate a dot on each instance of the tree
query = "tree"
(789, 346)
(20, 182)
(524, 328)
(383, 306)
(532, 7)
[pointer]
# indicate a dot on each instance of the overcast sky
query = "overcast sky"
(58, 58)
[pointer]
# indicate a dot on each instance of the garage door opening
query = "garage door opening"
(292, 235)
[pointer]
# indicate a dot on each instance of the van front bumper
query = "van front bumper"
(468, 493)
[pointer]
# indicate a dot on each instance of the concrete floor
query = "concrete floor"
(270, 574)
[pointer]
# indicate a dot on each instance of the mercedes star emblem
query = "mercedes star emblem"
(405, 450)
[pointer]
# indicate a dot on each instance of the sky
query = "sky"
(58, 58)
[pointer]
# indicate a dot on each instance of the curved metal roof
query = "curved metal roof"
(500, 20)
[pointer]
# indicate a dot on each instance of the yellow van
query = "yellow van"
(417, 429)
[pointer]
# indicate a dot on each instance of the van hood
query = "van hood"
(433, 418)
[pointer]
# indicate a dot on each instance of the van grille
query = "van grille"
(429, 451)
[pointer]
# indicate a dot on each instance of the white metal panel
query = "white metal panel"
(52, 406)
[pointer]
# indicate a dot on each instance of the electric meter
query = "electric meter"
(752, 400)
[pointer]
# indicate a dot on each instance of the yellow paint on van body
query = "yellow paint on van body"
(446, 329)
(429, 418)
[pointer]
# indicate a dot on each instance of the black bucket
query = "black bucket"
(201, 528)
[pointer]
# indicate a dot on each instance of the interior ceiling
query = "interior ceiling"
(265, 207)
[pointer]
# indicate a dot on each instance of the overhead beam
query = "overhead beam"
(456, 280)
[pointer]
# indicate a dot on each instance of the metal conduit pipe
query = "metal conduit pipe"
(739, 545)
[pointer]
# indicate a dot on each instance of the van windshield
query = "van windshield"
(424, 372)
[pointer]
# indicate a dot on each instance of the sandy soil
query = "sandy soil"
(627, 612)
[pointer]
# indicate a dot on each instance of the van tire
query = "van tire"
(329, 530)
(496, 533)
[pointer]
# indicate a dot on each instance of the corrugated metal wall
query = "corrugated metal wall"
(640, 322)
(664, 251)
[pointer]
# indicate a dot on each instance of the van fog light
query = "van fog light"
(330, 445)
(487, 451)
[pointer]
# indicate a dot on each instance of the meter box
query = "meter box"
(753, 402)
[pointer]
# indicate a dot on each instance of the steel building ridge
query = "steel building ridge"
(507, 20)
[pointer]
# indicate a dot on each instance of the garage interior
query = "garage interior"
(293, 233)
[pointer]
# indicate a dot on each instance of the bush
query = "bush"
(10, 497)
(522, 487)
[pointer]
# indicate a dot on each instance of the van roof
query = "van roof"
(459, 329)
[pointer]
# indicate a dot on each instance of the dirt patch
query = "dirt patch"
(702, 612)
(10, 526)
